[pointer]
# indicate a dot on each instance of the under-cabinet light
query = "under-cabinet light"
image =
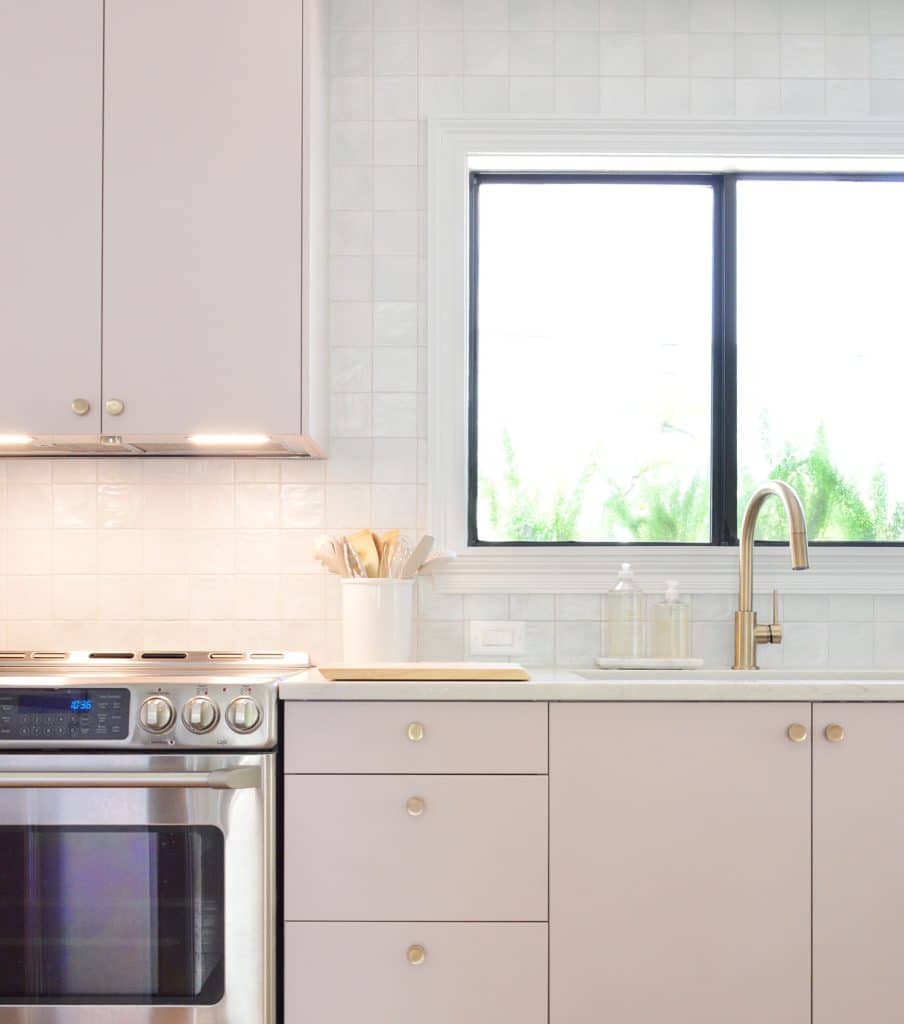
(239, 440)
(15, 439)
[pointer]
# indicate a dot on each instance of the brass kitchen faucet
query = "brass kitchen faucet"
(747, 633)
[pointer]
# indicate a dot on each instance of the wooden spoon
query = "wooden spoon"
(435, 558)
(327, 552)
(417, 557)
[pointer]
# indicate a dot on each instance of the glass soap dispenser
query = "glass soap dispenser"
(625, 606)
(670, 624)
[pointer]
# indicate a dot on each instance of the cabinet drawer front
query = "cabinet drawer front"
(361, 848)
(479, 973)
(422, 736)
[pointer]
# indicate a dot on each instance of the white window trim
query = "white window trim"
(457, 146)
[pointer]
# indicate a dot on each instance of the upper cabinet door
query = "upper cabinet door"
(679, 864)
(202, 216)
(858, 853)
(51, 95)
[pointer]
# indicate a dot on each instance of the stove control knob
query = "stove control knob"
(156, 714)
(200, 714)
(243, 714)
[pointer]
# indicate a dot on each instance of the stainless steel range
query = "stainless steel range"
(137, 837)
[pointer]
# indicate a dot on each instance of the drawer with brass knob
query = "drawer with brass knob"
(416, 848)
(416, 736)
(416, 973)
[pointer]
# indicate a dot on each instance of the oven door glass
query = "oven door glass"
(104, 914)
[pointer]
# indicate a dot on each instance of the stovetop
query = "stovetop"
(159, 700)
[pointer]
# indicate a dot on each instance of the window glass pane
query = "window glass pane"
(594, 361)
(111, 915)
(820, 352)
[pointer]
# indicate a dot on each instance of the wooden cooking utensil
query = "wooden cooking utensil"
(417, 557)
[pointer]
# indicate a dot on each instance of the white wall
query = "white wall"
(217, 553)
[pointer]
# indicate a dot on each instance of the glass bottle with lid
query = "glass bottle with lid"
(670, 624)
(626, 618)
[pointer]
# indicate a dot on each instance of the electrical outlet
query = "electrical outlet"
(497, 639)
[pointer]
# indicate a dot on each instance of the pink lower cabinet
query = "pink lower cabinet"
(415, 973)
(858, 863)
(416, 848)
(680, 864)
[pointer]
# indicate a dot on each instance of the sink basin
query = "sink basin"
(727, 675)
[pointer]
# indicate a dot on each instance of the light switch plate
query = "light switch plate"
(501, 639)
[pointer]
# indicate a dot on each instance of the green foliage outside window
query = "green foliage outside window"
(654, 508)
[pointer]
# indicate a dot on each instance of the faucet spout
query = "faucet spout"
(747, 633)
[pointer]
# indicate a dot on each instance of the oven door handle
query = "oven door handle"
(243, 777)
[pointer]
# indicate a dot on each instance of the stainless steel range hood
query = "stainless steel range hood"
(260, 446)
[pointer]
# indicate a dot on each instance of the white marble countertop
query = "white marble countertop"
(603, 684)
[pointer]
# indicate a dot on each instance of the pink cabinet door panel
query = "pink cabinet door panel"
(51, 98)
(202, 216)
(425, 736)
(415, 848)
(470, 974)
(679, 864)
(858, 865)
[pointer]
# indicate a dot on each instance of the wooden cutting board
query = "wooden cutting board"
(441, 671)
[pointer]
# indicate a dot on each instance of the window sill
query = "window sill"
(699, 570)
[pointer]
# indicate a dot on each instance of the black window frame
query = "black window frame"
(724, 456)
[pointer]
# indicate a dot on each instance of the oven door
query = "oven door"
(136, 889)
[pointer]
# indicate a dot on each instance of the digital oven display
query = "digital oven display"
(54, 703)
(62, 714)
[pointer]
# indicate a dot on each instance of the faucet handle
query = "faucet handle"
(771, 634)
(776, 627)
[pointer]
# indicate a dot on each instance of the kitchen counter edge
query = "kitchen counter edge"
(718, 685)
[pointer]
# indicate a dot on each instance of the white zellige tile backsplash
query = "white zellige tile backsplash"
(217, 553)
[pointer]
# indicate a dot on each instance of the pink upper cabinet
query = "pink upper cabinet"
(202, 216)
(679, 864)
(858, 854)
(51, 97)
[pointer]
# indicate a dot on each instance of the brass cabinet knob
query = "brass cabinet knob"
(834, 733)
(81, 407)
(115, 406)
(797, 733)
(416, 955)
(415, 732)
(415, 806)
